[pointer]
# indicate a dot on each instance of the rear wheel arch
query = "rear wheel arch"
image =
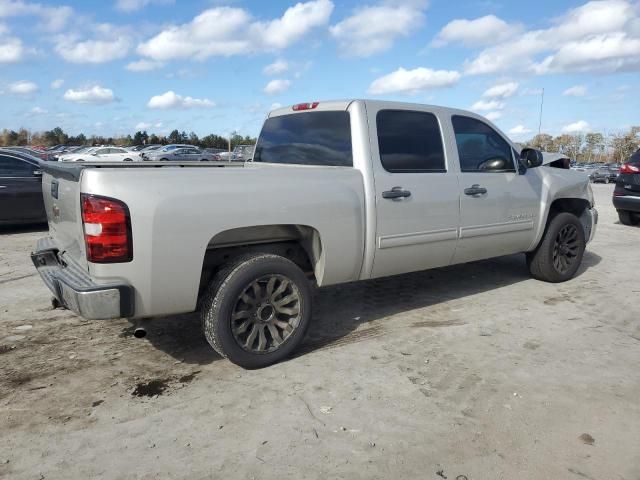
(301, 244)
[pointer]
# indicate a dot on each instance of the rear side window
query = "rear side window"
(410, 141)
(310, 138)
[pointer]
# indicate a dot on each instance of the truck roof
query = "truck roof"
(328, 105)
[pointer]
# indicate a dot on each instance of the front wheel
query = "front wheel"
(560, 252)
(606, 180)
(256, 310)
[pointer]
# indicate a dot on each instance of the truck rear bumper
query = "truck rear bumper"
(75, 290)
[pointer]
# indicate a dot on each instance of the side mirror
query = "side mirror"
(37, 173)
(532, 158)
(94, 154)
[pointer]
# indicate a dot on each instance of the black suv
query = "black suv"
(626, 195)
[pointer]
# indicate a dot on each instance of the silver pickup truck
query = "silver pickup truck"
(336, 192)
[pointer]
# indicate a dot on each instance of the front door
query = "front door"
(417, 195)
(498, 205)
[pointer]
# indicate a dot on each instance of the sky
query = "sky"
(112, 67)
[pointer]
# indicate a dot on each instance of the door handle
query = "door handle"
(3, 186)
(396, 192)
(475, 189)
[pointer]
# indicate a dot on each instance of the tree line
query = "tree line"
(57, 136)
(590, 147)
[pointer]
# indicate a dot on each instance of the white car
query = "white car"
(104, 154)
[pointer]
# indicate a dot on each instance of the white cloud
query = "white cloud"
(575, 91)
(501, 90)
(578, 127)
(133, 5)
(57, 83)
(493, 116)
(52, 18)
(413, 81)
(37, 111)
(519, 130)
(92, 51)
(279, 66)
(22, 87)
(143, 65)
(487, 30)
(11, 50)
(373, 29)
(599, 36)
(277, 86)
(602, 53)
(227, 31)
(171, 100)
(275, 106)
(482, 105)
(90, 95)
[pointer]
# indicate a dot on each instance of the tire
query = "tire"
(164, 159)
(627, 218)
(127, 160)
(252, 343)
(606, 180)
(559, 254)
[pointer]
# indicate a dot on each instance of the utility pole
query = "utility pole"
(540, 117)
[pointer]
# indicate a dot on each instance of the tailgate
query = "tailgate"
(61, 190)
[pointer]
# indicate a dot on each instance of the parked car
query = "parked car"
(21, 199)
(604, 174)
(162, 148)
(216, 152)
(102, 154)
(243, 153)
(337, 192)
(626, 194)
(181, 154)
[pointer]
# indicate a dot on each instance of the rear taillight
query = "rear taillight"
(305, 106)
(629, 168)
(107, 229)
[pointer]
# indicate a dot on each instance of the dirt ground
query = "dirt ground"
(468, 372)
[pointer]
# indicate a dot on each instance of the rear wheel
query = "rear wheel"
(627, 218)
(257, 310)
(127, 160)
(560, 252)
(164, 159)
(606, 180)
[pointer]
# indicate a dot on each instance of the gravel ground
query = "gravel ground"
(467, 372)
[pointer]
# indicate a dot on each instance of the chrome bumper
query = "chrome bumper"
(75, 290)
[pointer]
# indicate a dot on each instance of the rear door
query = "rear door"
(20, 191)
(498, 204)
(417, 194)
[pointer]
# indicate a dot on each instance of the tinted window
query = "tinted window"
(410, 141)
(310, 138)
(480, 147)
(12, 167)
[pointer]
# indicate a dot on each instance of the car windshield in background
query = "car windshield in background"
(310, 138)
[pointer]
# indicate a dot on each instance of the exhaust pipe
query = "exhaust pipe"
(140, 332)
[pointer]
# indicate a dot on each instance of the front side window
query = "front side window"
(410, 141)
(13, 167)
(309, 138)
(480, 147)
